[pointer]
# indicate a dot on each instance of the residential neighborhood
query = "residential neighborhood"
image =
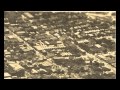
(59, 45)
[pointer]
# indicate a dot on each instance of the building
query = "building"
(7, 75)
(16, 69)
(28, 15)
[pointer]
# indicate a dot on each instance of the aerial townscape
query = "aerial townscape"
(59, 45)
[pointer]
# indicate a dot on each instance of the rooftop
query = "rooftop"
(6, 74)
(16, 66)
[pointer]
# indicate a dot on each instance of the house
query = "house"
(57, 35)
(20, 32)
(95, 49)
(6, 31)
(33, 71)
(98, 45)
(83, 41)
(66, 54)
(38, 47)
(27, 14)
(6, 52)
(46, 42)
(10, 37)
(34, 27)
(25, 49)
(60, 58)
(101, 48)
(46, 63)
(7, 75)
(27, 38)
(15, 69)
(82, 51)
(59, 42)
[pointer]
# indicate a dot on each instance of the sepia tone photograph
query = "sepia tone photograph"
(59, 44)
